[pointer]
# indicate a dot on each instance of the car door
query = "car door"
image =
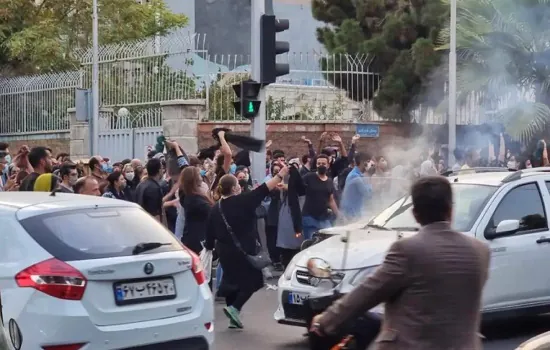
(518, 259)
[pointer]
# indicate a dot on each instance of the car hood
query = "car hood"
(364, 248)
(339, 230)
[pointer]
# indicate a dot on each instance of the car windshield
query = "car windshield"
(468, 199)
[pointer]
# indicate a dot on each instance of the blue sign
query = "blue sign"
(367, 130)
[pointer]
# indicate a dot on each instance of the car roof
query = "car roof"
(487, 179)
(35, 203)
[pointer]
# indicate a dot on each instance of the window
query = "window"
(95, 234)
(523, 203)
(467, 204)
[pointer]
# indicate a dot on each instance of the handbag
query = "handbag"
(260, 260)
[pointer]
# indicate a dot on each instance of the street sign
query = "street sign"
(368, 130)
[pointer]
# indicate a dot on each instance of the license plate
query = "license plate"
(297, 298)
(132, 292)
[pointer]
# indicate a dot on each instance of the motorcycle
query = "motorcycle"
(356, 334)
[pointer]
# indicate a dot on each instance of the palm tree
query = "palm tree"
(503, 55)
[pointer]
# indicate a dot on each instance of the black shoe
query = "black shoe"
(278, 267)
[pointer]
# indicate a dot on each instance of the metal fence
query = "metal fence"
(136, 77)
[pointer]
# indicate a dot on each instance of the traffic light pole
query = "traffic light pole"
(258, 124)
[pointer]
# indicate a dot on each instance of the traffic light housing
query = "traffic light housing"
(270, 48)
(247, 104)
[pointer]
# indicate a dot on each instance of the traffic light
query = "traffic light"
(247, 92)
(270, 48)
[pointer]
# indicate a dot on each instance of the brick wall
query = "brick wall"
(287, 137)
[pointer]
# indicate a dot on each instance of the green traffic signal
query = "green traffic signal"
(250, 107)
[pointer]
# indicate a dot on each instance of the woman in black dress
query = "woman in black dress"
(196, 207)
(240, 279)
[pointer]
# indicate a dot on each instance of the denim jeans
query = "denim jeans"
(310, 225)
(219, 275)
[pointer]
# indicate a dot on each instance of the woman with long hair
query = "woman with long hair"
(196, 206)
(232, 230)
(115, 186)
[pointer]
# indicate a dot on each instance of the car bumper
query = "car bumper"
(320, 299)
(71, 325)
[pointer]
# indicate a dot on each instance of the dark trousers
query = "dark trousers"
(287, 255)
(238, 298)
(271, 238)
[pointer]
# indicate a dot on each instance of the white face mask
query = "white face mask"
(511, 165)
(130, 176)
(246, 177)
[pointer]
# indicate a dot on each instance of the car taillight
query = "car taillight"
(64, 347)
(196, 266)
(55, 278)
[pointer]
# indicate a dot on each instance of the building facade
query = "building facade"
(226, 24)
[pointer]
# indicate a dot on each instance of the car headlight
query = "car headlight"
(290, 269)
(362, 274)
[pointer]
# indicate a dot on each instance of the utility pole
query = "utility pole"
(258, 124)
(95, 79)
(452, 86)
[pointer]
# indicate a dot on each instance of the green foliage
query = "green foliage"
(398, 37)
(40, 36)
(503, 56)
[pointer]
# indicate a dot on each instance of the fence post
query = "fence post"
(79, 144)
(180, 120)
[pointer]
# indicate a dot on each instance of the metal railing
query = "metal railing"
(136, 77)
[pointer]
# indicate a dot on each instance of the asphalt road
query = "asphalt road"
(262, 332)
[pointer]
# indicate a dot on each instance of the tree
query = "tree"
(503, 56)
(399, 36)
(41, 35)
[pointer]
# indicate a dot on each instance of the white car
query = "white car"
(90, 273)
(508, 211)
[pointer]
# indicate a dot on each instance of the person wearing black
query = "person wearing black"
(40, 158)
(319, 191)
(272, 219)
(149, 192)
(196, 206)
(116, 185)
(240, 278)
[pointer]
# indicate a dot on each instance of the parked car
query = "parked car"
(540, 342)
(508, 211)
(82, 272)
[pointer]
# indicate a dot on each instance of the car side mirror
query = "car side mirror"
(504, 227)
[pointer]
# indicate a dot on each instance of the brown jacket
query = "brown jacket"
(431, 284)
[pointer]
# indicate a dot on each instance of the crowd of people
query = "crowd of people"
(209, 200)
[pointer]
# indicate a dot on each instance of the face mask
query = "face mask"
(511, 165)
(129, 176)
(105, 167)
(123, 185)
(243, 183)
(529, 166)
(203, 172)
(247, 177)
(8, 159)
(233, 168)
(322, 170)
